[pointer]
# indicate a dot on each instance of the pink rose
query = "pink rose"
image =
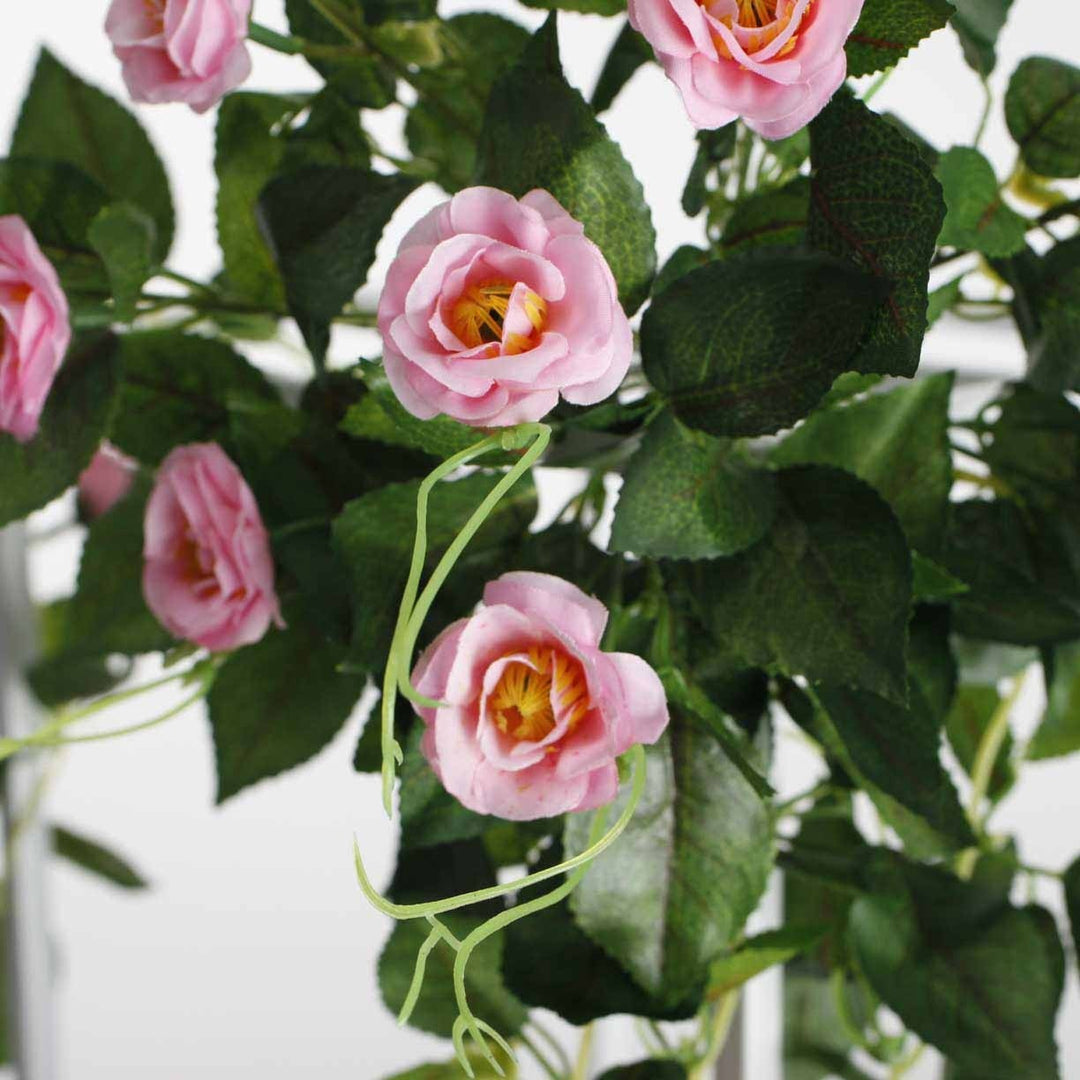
(180, 50)
(534, 713)
(34, 329)
(775, 63)
(106, 480)
(208, 573)
(494, 306)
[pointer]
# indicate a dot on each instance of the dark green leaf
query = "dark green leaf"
(436, 1010)
(1059, 732)
(276, 704)
(539, 132)
(977, 217)
(1042, 108)
(769, 218)
(683, 260)
(176, 388)
(715, 150)
(628, 52)
(1053, 306)
(874, 201)
(816, 1042)
(655, 1069)
(123, 235)
(971, 713)
(825, 594)
(978, 24)
(1011, 597)
(690, 496)
(942, 300)
(758, 954)
(323, 225)
(898, 442)
(687, 872)
(888, 30)
(1072, 902)
(745, 348)
(66, 119)
(933, 584)
(95, 858)
(73, 424)
(984, 990)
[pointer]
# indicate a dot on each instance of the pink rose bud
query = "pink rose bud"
(106, 480)
(180, 50)
(775, 63)
(34, 329)
(534, 714)
(495, 306)
(208, 573)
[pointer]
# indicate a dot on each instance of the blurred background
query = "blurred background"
(253, 954)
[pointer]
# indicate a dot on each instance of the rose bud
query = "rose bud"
(533, 714)
(192, 51)
(495, 306)
(34, 329)
(775, 63)
(105, 481)
(208, 574)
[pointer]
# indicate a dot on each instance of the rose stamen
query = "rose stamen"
(526, 697)
(760, 18)
(478, 316)
(155, 9)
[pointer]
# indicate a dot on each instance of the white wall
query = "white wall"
(254, 955)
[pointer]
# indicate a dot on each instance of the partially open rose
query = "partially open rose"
(775, 63)
(193, 51)
(534, 713)
(106, 480)
(495, 306)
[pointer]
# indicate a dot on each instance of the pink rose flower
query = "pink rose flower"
(775, 63)
(208, 574)
(180, 50)
(494, 306)
(34, 329)
(106, 480)
(534, 714)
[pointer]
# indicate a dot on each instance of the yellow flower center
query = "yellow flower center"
(527, 695)
(478, 315)
(155, 9)
(760, 18)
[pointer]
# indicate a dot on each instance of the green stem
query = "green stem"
(822, 787)
(906, 1064)
(875, 87)
(133, 728)
(538, 1054)
(723, 1015)
(584, 1054)
(551, 1041)
(984, 118)
(271, 39)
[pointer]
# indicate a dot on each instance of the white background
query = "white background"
(254, 955)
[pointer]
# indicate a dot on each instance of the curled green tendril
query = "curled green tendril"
(413, 611)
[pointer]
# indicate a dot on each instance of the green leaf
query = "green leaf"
(690, 496)
(888, 30)
(276, 704)
(654, 1069)
(1011, 596)
(683, 259)
(816, 1042)
(776, 217)
(123, 235)
(95, 858)
(895, 752)
(978, 24)
(539, 132)
(586, 7)
(968, 720)
(479, 48)
(1042, 109)
(875, 201)
(374, 535)
(932, 583)
(898, 442)
(687, 872)
(176, 388)
(748, 347)
(825, 594)
(1047, 306)
(628, 52)
(715, 150)
(323, 225)
(73, 424)
(942, 299)
(758, 954)
(1072, 902)
(977, 217)
(1059, 732)
(983, 986)
(108, 613)
(436, 1010)
(66, 119)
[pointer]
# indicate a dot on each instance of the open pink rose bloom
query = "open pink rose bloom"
(495, 306)
(208, 574)
(34, 329)
(775, 63)
(192, 51)
(534, 715)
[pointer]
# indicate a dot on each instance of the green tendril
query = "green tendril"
(413, 611)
